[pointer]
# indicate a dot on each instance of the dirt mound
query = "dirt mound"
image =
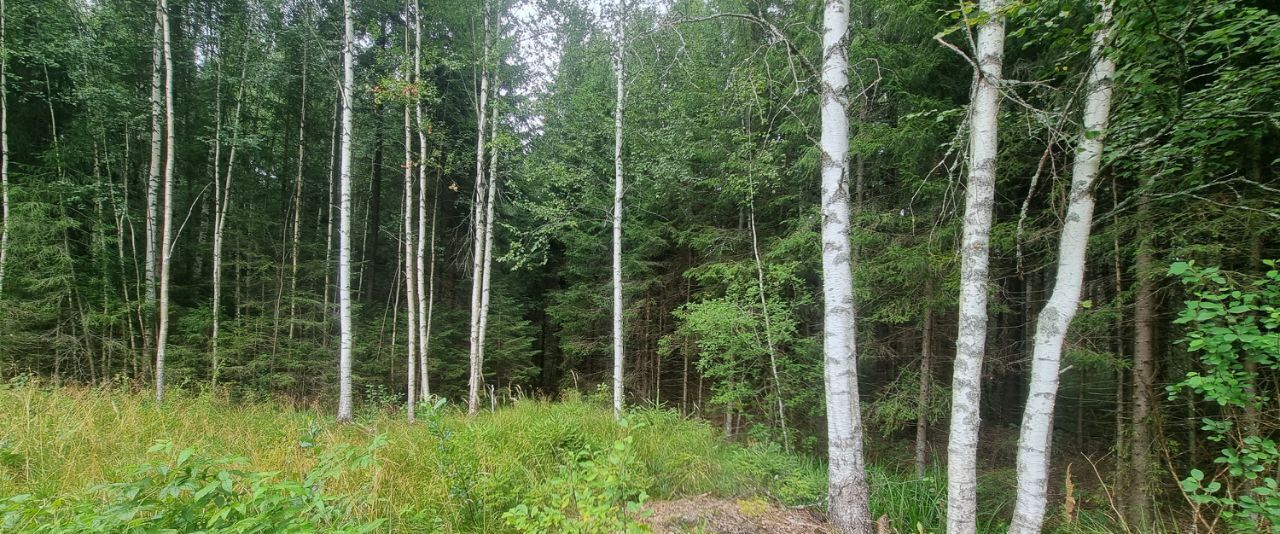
(728, 516)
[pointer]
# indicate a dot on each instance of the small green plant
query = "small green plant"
(594, 492)
(1234, 331)
(193, 493)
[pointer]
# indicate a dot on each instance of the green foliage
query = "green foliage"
(1234, 332)
(193, 493)
(594, 491)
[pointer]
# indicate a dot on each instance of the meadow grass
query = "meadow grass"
(446, 473)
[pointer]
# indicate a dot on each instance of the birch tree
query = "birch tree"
(477, 217)
(1055, 318)
(846, 473)
(425, 298)
(410, 270)
(297, 200)
(222, 203)
(984, 109)
(491, 193)
(4, 148)
(166, 227)
(153, 169)
(344, 222)
(619, 93)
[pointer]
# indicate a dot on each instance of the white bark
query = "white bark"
(344, 223)
(153, 169)
(166, 227)
(962, 446)
(487, 264)
(222, 200)
(4, 149)
(768, 331)
(410, 278)
(1055, 319)
(846, 476)
(477, 250)
(297, 201)
(620, 81)
(423, 324)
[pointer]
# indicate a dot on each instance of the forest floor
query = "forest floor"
(70, 451)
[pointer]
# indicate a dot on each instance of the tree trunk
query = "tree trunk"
(410, 278)
(166, 228)
(222, 200)
(1144, 372)
(4, 149)
(1055, 318)
(344, 224)
(618, 355)
(926, 384)
(847, 484)
(297, 201)
(768, 331)
(328, 226)
(477, 212)
(966, 389)
(426, 300)
(487, 264)
(153, 170)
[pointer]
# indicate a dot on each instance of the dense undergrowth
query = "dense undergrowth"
(109, 460)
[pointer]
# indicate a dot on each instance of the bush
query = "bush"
(594, 492)
(193, 493)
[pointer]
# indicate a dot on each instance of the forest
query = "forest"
(844, 266)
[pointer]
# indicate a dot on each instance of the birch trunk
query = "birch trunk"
(423, 324)
(487, 265)
(768, 331)
(477, 250)
(344, 223)
(153, 170)
(966, 389)
(222, 200)
(297, 202)
(4, 149)
(411, 290)
(166, 228)
(619, 80)
(409, 273)
(846, 475)
(1055, 318)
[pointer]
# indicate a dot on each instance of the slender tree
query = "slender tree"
(926, 388)
(486, 266)
(1055, 318)
(154, 169)
(166, 226)
(847, 484)
(297, 199)
(425, 298)
(222, 204)
(477, 217)
(410, 270)
(984, 109)
(4, 147)
(619, 94)
(344, 222)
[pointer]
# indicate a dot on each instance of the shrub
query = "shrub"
(594, 492)
(193, 493)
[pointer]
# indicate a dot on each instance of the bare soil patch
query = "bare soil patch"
(704, 513)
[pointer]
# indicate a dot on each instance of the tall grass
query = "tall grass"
(447, 473)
